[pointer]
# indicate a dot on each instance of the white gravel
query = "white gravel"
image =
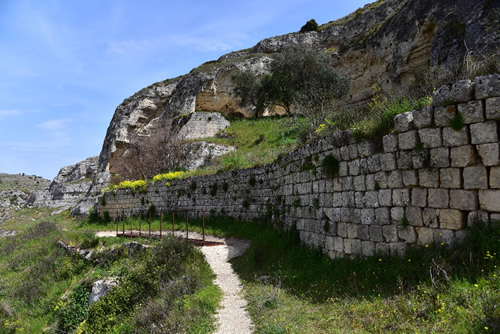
(232, 317)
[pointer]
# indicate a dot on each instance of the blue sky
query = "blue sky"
(66, 64)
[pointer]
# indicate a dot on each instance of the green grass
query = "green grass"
(292, 289)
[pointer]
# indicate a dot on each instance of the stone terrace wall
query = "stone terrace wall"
(424, 183)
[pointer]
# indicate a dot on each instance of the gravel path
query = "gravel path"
(232, 317)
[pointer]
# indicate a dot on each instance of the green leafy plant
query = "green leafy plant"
(310, 25)
(457, 122)
(330, 165)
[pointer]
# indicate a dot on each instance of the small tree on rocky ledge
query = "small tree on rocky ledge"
(310, 25)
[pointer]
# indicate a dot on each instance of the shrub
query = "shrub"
(457, 122)
(331, 165)
(310, 25)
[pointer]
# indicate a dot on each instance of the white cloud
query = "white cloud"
(11, 112)
(56, 124)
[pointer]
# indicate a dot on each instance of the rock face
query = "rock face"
(69, 186)
(385, 44)
(101, 288)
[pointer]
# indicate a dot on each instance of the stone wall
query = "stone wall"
(425, 182)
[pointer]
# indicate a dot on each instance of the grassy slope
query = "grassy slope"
(43, 289)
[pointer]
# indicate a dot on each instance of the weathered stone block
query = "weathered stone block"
(358, 199)
(385, 197)
(382, 248)
(425, 235)
(407, 233)
(381, 179)
(343, 169)
(373, 163)
(460, 91)
(493, 108)
(352, 230)
(440, 157)
(383, 216)
(438, 198)
(450, 178)
(390, 233)
(423, 118)
(367, 216)
(487, 86)
(444, 115)
(463, 156)
(428, 178)
(430, 217)
(363, 233)
(472, 112)
(430, 137)
(404, 122)
(352, 246)
(420, 158)
(388, 161)
(489, 154)
(400, 197)
(397, 214)
(466, 200)
(342, 229)
(450, 219)
(475, 178)
(344, 153)
(419, 197)
(371, 199)
(404, 160)
(410, 178)
(482, 133)
(395, 179)
(359, 183)
(489, 200)
(390, 143)
(453, 138)
(408, 140)
(366, 149)
(495, 177)
(476, 217)
(367, 248)
(353, 151)
(414, 216)
(353, 167)
(370, 182)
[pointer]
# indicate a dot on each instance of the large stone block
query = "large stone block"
(404, 122)
(367, 216)
(408, 140)
(382, 248)
(482, 133)
(397, 214)
(342, 229)
(440, 157)
(425, 235)
(366, 149)
(398, 248)
(438, 198)
(420, 158)
(430, 217)
(404, 160)
(466, 200)
(493, 108)
(390, 233)
(444, 236)
(495, 177)
(450, 178)
(450, 219)
(385, 197)
(423, 118)
(373, 163)
(472, 112)
(430, 137)
(414, 216)
(383, 216)
(367, 248)
(475, 178)
(371, 199)
(363, 233)
(401, 197)
(390, 143)
(460, 91)
(410, 178)
(376, 233)
(352, 246)
(381, 179)
(487, 86)
(463, 156)
(453, 138)
(489, 200)
(407, 233)
(429, 178)
(419, 197)
(388, 162)
(489, 154)
(359, 183)
(353, 167)
(444, 115)
(395, 179)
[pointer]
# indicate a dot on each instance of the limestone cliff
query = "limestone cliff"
(384, 43)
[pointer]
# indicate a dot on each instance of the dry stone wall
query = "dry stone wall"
(425, 182)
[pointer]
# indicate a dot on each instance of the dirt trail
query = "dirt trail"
(232, 317)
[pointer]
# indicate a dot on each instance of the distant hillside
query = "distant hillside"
(22, 182)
